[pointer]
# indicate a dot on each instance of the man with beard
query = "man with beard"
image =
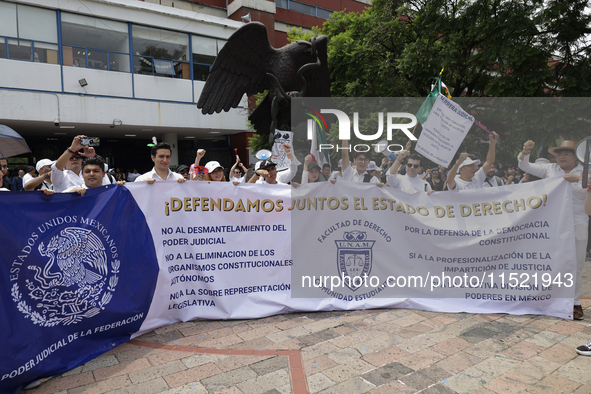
(470, 176)
(491, 179)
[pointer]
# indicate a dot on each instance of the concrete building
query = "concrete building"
(128, 70)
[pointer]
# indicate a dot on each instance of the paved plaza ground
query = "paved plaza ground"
(368, 351)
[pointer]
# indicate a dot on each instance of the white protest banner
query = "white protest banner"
(224, 251)
(443, 132)
(507, 249)
(167, 252)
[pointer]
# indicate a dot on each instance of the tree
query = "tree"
(488, 48)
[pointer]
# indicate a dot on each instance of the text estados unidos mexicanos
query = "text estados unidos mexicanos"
(513, 280)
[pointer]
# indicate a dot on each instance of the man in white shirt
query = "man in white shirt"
(361, 160)
(236, 176)
(66, 171)
(568, 167)
(470, 176)
(93, 172)
(132, 175)
(160, 155)
(410, 182)
(29, 175)
(266, 170)
(43, 181)
(2, 188)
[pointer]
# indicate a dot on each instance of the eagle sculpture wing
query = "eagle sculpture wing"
(240, 68)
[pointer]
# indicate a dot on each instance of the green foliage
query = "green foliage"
(297, 33)
(257, 141)
(487, 48)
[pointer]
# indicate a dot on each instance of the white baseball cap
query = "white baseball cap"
(372, 166)
(42, 163)
(212, 165)
(469, 161)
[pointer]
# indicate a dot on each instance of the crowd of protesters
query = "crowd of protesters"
(80, 168)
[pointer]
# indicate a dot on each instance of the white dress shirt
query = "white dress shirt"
(172, 176)
(351, 175)
(66, 179)
(407, 184)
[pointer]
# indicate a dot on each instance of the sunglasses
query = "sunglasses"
(75, 157)
(184, 172)
(435, 172)
(413, 165)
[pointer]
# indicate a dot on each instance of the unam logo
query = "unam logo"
(354, 257)
(76, 282)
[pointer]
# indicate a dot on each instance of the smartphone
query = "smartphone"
(91, 141)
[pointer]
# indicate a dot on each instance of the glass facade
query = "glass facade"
(205, 50)
(95, 43)
(303, 8)
(160, 52)
(28, 33)
(31, 34)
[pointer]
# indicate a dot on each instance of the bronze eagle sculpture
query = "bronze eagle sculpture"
(248, 64)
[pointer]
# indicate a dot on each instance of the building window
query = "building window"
(94, 43)
(160, 52)
(28, 33)
(303, 8)
(205, 50)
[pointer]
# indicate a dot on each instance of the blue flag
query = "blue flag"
(77, 278)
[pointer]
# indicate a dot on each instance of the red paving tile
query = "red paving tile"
(296, 369)
(241, 352)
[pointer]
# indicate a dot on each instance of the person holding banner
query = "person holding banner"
(568, 167)
(410, 182)
(160, 155)
(266, 170)
(66, 171)
(470, 176)
(216, 171)
(93, 171)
